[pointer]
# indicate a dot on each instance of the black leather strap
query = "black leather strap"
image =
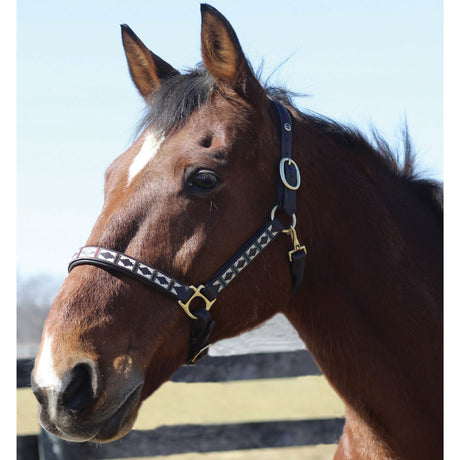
(288, 183)
(200, 330)
(286, 197)
(297, 263)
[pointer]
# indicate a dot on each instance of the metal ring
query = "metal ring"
(283, 173)
(293, 224)
(272, 214)
(294, 219)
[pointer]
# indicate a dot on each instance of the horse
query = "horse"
(284, 212)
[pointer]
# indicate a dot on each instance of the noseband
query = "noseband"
(201, 323)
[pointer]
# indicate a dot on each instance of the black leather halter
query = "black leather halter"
(201, 323)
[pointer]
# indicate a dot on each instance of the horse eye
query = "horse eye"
(204, 180)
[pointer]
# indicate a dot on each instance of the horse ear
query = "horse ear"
(223, 56)
(146, 68)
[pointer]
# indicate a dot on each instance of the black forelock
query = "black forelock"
(176, 99)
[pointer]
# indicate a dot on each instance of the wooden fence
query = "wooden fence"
(233, 403)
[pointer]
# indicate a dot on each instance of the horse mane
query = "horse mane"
(171, 105)
(375, 151)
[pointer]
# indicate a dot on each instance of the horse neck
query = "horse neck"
(370, 306)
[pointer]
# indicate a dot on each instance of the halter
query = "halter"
(201, 323)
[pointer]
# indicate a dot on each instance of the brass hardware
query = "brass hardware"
(283, 174)
(295, 242)
(198, 355)
(197, 293)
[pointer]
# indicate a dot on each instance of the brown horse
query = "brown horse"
(203, 176)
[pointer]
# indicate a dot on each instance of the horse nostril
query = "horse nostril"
(38, 392)
(81, 387)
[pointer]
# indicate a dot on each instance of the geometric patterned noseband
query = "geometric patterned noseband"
(200, 319)
(154, 277)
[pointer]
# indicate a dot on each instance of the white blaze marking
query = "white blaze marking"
(45, 375)
(149, 149)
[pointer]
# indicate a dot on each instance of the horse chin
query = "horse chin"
(70, 428)
(121, 422)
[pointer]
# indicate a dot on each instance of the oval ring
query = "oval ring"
(283, 174)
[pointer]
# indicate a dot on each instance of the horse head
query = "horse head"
(198, 181)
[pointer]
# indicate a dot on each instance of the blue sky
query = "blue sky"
(362, 62)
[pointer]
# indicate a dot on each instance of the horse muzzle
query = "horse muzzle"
(76, 408)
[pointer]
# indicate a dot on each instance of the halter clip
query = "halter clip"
(295, 241)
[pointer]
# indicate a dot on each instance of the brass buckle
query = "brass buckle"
(283, 173)
(196, 293)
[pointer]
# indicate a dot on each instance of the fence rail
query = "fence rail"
(180, 438)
